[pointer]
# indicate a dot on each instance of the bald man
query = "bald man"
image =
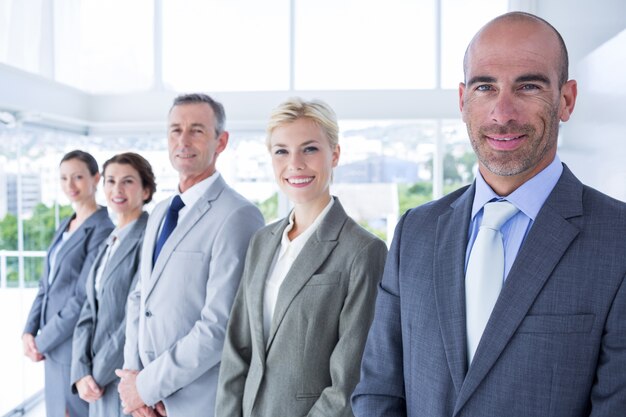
(552, 341)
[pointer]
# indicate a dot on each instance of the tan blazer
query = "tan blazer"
(310, 363)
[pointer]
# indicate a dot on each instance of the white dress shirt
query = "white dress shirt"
(53, 255)
(284, 257)
(113, 242)
(191, 197)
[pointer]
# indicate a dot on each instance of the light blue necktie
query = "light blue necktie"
(485, 271)
(171, 219)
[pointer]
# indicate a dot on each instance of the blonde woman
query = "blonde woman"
(301, 316)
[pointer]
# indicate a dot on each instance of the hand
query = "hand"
(144, 411)
(88, 389)
(131, 401)
(30, 348)
(160, 408)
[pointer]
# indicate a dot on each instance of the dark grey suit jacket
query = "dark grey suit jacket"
(555, 344)
(98, 344)
(325, 305)
(57, 306)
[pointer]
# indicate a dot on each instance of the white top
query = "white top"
(53, 255)
(191, 197)
(113, 242)
(284, 257)
(193, 194)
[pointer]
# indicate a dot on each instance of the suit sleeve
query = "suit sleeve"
(380, 391)
(237, 353)
(81, 345)
(608, 394)
(131, 344)
(111, 354)
(201, 348)
(34, 316)
(61, 326)
(354, 323)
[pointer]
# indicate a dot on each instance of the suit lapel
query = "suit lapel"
(124, 250)
(150, 237)
(196, 212)
(449, 282)
(90, 284)
(57, 235)
(257, 284)
(76, 238)
(321, 244)
(543, 248)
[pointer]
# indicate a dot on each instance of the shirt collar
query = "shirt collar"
(299, 241)
(196, 191)
(529, 197)
(121, 233)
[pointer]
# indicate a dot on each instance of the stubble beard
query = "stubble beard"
(507, 164)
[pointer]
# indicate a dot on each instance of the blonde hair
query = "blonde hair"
(315, 110)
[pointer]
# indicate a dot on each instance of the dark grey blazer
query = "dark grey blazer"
(98, 344)
(56, 308)
(555, 344)
(325, 305)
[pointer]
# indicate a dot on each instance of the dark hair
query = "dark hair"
(87, 158)
(218, 108)
(518, 16)
(140, 164)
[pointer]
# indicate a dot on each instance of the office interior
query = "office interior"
(101, 76)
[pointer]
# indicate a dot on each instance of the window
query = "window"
(104, 46)
(460, 20)
(364, 44)
(236, 45)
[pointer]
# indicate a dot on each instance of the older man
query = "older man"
(191, 264)
(507, 297)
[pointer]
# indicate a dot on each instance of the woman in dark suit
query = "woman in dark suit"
(98, 347)
(300, 319)
(55, 310)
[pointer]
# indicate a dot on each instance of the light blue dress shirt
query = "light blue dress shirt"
(528, 198)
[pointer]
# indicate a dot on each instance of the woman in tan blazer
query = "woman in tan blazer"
(301, 316)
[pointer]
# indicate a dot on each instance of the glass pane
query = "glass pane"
(235, 45)
(460, 20)
(20, 378)
(247, 167)
(104, 46)
(385, 168)
(9, 143)
(20, 33)
(459, 160)
(364, 44)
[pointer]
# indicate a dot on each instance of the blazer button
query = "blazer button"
(148, 313)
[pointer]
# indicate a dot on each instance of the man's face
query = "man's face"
(192, 143)
(512, 102)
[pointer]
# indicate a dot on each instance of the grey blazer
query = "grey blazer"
(98, 343)
(325, 305)
(56, 307)
(555, 344)
(178, 312)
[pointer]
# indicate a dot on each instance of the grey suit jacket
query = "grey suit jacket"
(325, 305)
(98, 343)
(57, 306)
(555, 344)
(177, 314)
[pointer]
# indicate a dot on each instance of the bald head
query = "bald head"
(521, 18)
